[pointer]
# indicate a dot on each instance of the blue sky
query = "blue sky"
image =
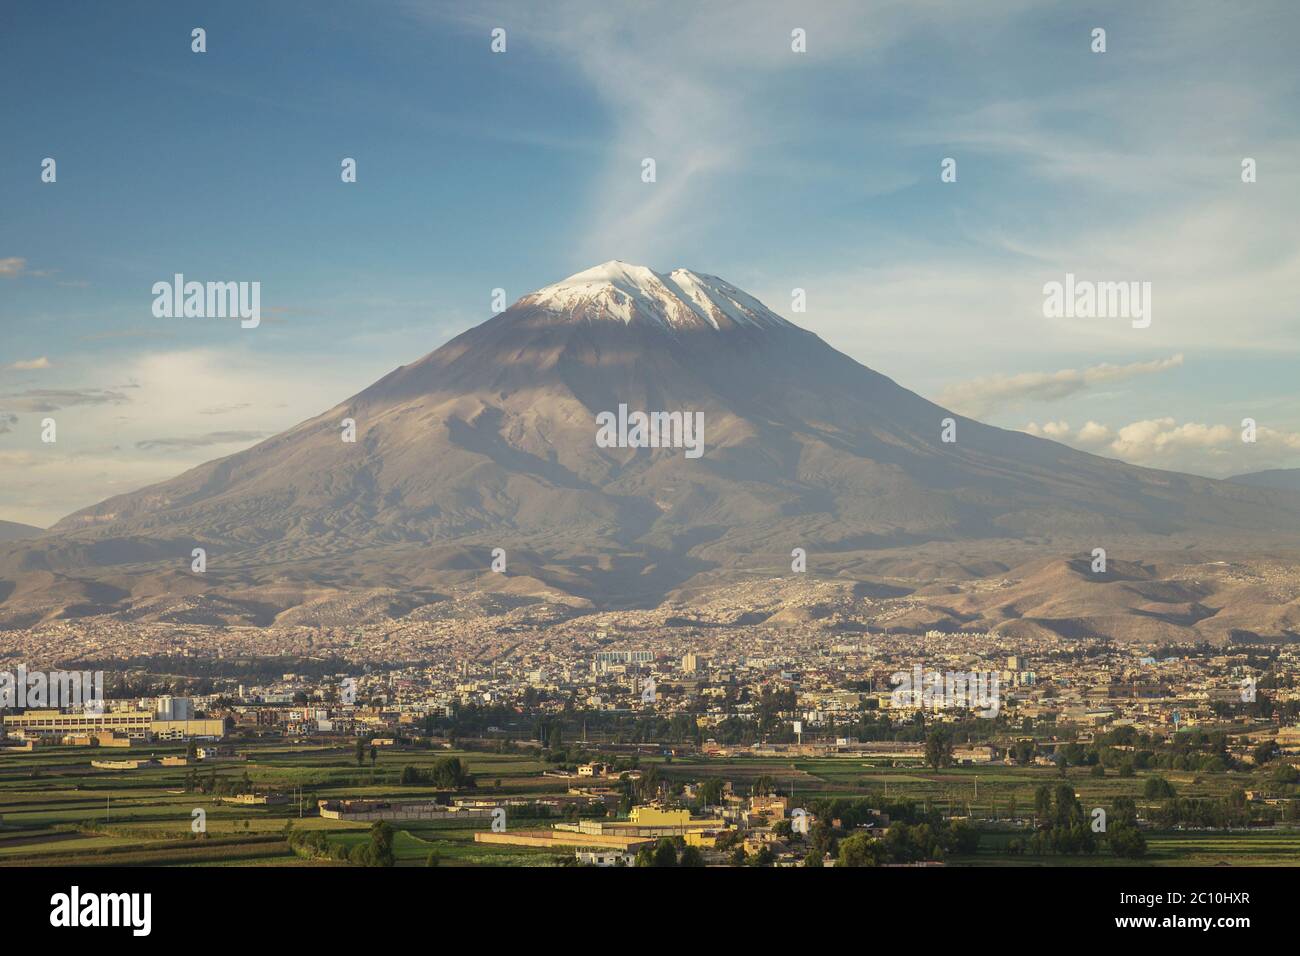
(775, 170)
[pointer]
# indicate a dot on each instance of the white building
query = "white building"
(605, 857)
(173, 708)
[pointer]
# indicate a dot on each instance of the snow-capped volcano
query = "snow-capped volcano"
(680, 299)
(491, 441)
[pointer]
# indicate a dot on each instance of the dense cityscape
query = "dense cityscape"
(698, 736)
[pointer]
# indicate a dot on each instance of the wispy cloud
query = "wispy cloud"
(117, 445)
(28, 365)
(14, 266)
(998, 392)
(53, 399)
(201, 441)
(682, 83)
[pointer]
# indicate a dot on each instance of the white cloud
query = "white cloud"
(156, 427)
(29, 365)
(1093, 433)
(43, 400)
(1193, 447)
(206, 440)
(14, 266)
(997, 392)
(1057, 431)
(1155, 438)
(683, 83)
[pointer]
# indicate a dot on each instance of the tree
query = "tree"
(938, 748)
(964, 838)
(1068, 810)
(1123, 812)
(691, 856)
(449, 773)
(1157, 788)
(381, 844)
(1127, 841)
(361, 854)
(861, 850)
(823, 839)
(1043, 805)
(728, 839)
(361, 751)
(665, 854)
(711, 792)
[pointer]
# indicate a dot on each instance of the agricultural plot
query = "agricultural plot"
(56, 808)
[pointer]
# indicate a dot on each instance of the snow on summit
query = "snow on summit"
(682, 299)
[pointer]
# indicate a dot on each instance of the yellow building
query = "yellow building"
(771, 806)
(563, 838)
(1288, 738)
(102, 739)
(128, 723)
(659, 817)
(185, 729)
(702, 838)
(132, 723)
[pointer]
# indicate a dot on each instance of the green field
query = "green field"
(56, 809)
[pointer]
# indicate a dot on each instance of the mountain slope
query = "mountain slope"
(1280, 479)
(13, 531)
(491, 441)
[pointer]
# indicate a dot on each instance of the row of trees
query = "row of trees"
(669, 852)
(1065, 827)
(906, 843)
(314, 845)
(217, 786)
(447, 773)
